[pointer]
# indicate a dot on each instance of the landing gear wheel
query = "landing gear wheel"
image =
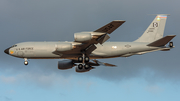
(80, 66)
(80, 59)
(86, 66)
(86, 59)
(25, 63)
(171, 44)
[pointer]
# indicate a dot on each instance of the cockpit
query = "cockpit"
(7, 50)
(13, 46)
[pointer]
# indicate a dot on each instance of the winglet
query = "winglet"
(110, 27)
(163, 41)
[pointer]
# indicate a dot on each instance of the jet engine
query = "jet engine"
(81, 70)
(65, 64)
(82, 37)
(61, 47)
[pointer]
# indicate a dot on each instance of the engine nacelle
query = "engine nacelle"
(65, 64)
(82, 37)
(61, 47)
(83, 69)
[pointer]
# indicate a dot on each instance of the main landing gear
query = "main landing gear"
(25, 61)
(84, 62)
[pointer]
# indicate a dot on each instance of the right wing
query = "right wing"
(85, 41)
(100, 36)
(110, 27)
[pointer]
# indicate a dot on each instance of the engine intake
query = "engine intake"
(65, 64)
(82, 37)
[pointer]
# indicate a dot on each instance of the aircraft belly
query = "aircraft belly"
(110, 49)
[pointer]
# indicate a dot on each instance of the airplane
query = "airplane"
(92, 46)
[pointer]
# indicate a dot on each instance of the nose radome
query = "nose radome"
(6, 51)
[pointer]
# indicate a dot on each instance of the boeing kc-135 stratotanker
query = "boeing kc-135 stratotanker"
(92, 46)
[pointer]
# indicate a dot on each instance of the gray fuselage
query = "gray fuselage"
(44, 50)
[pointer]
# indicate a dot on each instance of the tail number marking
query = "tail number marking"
(155, 24)
(107, 28)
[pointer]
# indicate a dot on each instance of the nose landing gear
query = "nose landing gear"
(25, 61)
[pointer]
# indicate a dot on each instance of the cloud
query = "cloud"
(11, 92)
(37, 79)
(8, 79)
(154, 89)
(7, 99)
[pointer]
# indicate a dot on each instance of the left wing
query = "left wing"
(97, 63)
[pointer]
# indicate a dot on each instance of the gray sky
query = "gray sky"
(55, 20)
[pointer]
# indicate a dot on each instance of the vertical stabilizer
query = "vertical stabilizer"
(155, 30)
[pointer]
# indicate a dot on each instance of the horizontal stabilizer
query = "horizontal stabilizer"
(163, 41)
(110, 27)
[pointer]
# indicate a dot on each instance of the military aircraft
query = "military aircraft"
(92, 46)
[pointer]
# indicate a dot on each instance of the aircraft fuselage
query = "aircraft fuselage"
(44, 50)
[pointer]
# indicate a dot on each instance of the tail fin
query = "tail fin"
(155, 30)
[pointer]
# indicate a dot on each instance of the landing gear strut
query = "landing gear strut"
(25, 61)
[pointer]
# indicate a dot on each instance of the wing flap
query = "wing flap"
(103, 39)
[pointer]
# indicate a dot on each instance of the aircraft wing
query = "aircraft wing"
(102, 63)
(97, 63)
(85, 41)
(110, 27)
(98, 36)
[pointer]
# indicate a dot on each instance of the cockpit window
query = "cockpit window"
(13, 46)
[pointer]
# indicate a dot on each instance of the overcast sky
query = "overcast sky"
(150, 77)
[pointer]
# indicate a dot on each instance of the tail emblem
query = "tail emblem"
(155, 24)
(161, 16)
(158, 19)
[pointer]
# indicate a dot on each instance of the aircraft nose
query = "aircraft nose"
(6, 51)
